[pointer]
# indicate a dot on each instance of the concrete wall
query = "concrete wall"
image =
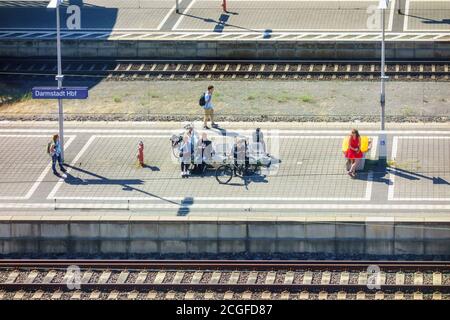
(225, 49)
(128, 234)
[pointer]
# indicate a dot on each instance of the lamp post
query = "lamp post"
(383, 4)
(54, 4)
(177, 6)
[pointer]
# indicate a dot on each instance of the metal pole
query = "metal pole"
(382, 138)
(177, 6)
(382, 99)
(59, 78)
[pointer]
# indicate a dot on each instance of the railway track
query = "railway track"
(126, 279)
(233, 69)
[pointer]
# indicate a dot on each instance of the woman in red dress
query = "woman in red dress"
(354, 153)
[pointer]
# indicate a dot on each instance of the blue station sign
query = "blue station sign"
(63, 93)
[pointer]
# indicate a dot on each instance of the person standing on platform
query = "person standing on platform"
(206, 103)
(54, 149)
(354, 154)
(140, 154)
(185, 156)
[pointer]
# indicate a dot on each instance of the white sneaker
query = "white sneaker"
(183, 173)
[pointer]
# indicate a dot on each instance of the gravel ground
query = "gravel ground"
(243, 278)
(335, 277)
(316, 278)
(280, 277)
(95, 277)
(169, 277)
(409, 278)
(187, 277)
(22, 276)
(353, 278)
(40, 277)
(237, 100)
(298, 277)
(113, 277)
(151, 277)
(225, 277)
(390, 278)
(132, 277)
(428, 278)
(446, 279)
(261, 278)
(206, 277)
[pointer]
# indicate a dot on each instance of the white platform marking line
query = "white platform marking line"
(26, 135)
(165, 18)
(240, 206)
(405, 16)
(391, 14)
(74, 161)
(392, 176)
(175, 27)
(369, 186)
(209, 199)
(425, 138)
(373, 151)
(46, 170)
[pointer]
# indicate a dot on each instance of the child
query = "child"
(140, 154)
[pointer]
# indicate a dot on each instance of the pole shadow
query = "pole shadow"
(126, 184)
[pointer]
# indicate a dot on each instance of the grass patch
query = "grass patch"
(407, 111)
(25, 97)
(117, 100)
(306, 98)
(11, 96)
(281, 98)
(251, 98)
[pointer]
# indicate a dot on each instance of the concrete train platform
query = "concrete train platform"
(304, 203)
(248, 30)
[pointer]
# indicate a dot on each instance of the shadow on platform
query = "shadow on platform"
(126, 184)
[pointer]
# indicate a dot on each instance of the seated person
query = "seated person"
(204, 152)
(258, 137)
(240, 153)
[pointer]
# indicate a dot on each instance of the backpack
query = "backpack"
(202, 101)
(49, 145)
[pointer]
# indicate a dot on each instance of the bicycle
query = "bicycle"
(225, 172)
(177, 139)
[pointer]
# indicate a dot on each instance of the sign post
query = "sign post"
(54, 4)
(383, 5)
(60, 93)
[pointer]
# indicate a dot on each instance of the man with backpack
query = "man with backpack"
(206, 103)
(54, 150)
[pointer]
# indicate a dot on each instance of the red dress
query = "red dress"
(354, 143)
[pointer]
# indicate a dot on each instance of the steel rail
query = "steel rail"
(223, 287)
(226, 264)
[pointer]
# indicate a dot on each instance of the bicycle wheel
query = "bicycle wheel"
(224, 173)
(176, 150)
